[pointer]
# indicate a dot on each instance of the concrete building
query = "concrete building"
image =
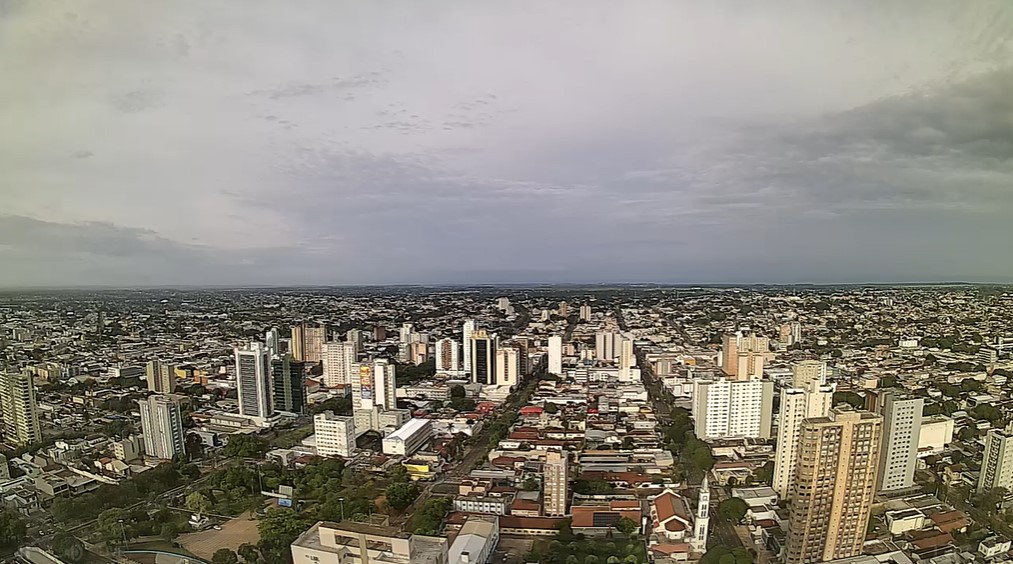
(743, 355)
(483, 357)
(288, 384)
(727, 408)
(902, 422)
(337, 362)
(701, 526)
(808, 371)
(508, 366)
(19, 409)
(375, 385)
(162, 426)
(161, 377)
(476, 540)
(607, 345)
(936, 433)
(797, 405)
(835, 485)
(585, 312)
(409, 438)
(556, 482)
(447, 356)
(555, 355)
(335, 434)
(466, 331)
(359, 543)
(354, 336)
(997, 462)
(418, 352)
(253, 382)
(308, 342)
(627, 361)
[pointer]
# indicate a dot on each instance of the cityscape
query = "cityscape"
(553, 424)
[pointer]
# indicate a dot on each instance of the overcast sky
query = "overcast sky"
(145, 142)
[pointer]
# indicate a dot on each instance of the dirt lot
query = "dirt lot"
(511, 550)
(241, 530)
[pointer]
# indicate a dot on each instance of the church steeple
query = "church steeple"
(702, 519)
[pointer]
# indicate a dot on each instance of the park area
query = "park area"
(233, 534)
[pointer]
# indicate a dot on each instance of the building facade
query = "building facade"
(727, 408)
(466, 332)
(447, 356)
(338, 358)
(997, 463)
(743, 355)
(19, 409)
(556, 482)
(555, 355)
(253, 382)
(289, 384)
(797, 405)
(335, 434)
(902, 422)
(508, 366)
(161, 377)
(483, 357)
(162, 426)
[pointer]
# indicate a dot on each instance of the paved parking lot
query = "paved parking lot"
(234, 533)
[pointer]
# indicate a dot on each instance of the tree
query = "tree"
(245, 446)
(197, 503)
(67, 547)
(764, 474)
(281, 526)
(398, 474)
(531, 484)
(626, 526)
(224, 556)
(457, 391)
(732, 509)
(551, 408)
(462, 404)
(400, 495)
(12, 529)
(249, 553)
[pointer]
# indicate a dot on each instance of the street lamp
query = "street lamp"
(123, 532)
(341, 502)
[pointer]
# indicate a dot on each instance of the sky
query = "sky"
(209, 142)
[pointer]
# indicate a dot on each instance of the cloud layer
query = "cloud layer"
(360, 142)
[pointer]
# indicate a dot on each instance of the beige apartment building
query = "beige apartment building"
(835, 483)
(556, 474)
(743, 355)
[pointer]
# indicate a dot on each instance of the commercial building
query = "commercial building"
(161, 377)
(508, 366)
(374, 385)
(254, 383)
(334, 434)
(724, 407)
(556, 482)
(447, 356)
(797, 405)
(409, 438)
(482, 357)
(337, 364)
(997, 463)
(936, 433)
(307, 342)
(19, 409)
(627, 361)
(162, 426)
(835, 484)
(902, 422)
(555, 355)
(289, 384)
(466, 331)
(743, 355)
(808, 371)
(358, 543)
(476, 540)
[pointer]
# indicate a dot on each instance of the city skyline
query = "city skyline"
(346, 144)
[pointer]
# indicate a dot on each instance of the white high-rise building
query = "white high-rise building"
(701, 522)
(556, 486)
(253, 382)
(727, 408)
(555, 355)
(607, 345)
(374, 386)
(902, 423)
(997, 463)
(273, 340)
(627, 361)
(808, 371)
(797, 405)
(585, 312)
(335, 434)
(508, 366)
(447, 356)
(338, 360)
(407, 330)
(19, 409)
(162, 425)
(467, 330)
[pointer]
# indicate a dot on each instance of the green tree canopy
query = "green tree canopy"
(224, 556)
(732, 509)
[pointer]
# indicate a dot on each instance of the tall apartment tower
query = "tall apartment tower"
(19, 409)
(308, 342)
(555, 355)
(605, 347)
(273, 340)
(627, 360)
(483, 357)
(447, 356)
(374, 385)
(296, 343)
(797, 405)
(997, 463)
(727, 408)
(466, 332)
(253, 381)
(407, 330)
(743, 355)
(563, 309)
(902, 424)
(808, 371)
(835, 484)
(508, 366)
(161, 377)
(585, 312)
(337, 362)
(335, 434)
(289, 384)
(702, 519)
(354, 336)
(162, 425)
(556, 486)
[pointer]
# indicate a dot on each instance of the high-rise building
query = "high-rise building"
(308, 342)
(355, 337)
(556, 476)
(379, 333)
(253, 382)
(724, 407)
(374, 386)
(418, 352)
(902, 424)
(585, 312)
(466, 332)
(997, 463)
(563, 310)
(19, 409)
(407, 330)
(289, 384)
(808, 371)
(743, 355)
(338, 360)
(503, 303)
(161, 377)
(797, 405)
(483, 357)
(556, 355)
(701, 522)
(162, 425)
(273, 340)
(835, 484)
(627, 361)
(296, 343)
(335, 434)
(447, 359)
(607, 345)
(508, 366)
